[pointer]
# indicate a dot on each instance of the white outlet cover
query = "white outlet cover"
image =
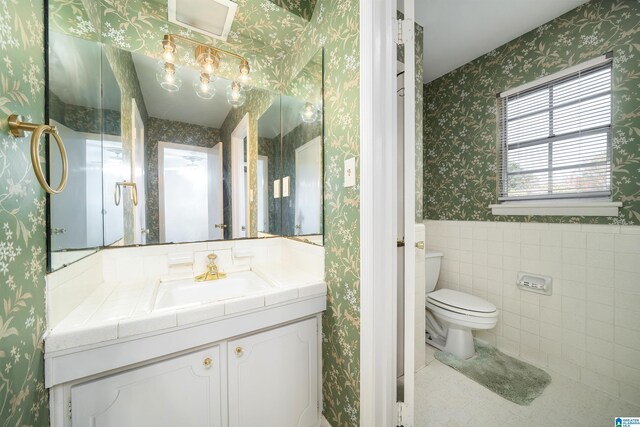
(276, 189)
(350, 172)
(285, 186)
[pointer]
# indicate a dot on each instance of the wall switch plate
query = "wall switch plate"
(276, 189)
(285, 186)
(350, 172)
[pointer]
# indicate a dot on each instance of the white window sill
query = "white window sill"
(558, 208)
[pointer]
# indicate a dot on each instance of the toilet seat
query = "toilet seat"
(461, 303)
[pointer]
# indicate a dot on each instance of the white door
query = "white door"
(190, 199)
(273, 377)
(183, 391)
(138, 174)
(308, 197)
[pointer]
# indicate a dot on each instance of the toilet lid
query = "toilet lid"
(449, 299)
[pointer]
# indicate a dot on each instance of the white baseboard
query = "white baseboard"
(324, 422)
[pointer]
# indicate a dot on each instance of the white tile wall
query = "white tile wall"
(589, 328)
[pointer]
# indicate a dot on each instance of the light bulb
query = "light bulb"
(204, 86)
(167, 76)
(168, 49)
(309, 114)
(235, 96)
(208, 59)
(245, 77)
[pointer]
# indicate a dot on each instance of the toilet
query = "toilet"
(452, 315)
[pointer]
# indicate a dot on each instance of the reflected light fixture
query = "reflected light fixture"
(168, 49)
(309, 113)
(235, 95)
(168, 77)
(204, 86)
(208, 59)
(245, 77)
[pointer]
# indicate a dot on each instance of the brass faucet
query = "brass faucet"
(212, 272)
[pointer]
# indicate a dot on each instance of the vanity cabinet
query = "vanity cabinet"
(274, 377)
(266, 378)
(181, 391)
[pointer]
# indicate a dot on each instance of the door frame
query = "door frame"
(238, 190)
(139, 211)
(378, 217)
(265, 190)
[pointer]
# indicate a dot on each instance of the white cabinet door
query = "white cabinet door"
(182, 391)
(273, 377)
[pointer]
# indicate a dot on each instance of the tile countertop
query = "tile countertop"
(115, 311)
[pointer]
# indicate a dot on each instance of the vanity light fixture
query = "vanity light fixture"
(309, 113)
(245, 77)
(168, 49)
(204, 86)
(208, 59)
(235, 95)
(167, 76)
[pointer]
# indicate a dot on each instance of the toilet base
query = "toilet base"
(459, 342)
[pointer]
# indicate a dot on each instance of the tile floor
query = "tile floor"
(445, 397)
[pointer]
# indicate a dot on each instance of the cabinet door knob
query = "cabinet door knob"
(239, 351)
(207, 362)
(420, 245)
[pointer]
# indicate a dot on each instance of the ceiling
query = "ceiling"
(459, 31)
(76, 73)
(182, 106)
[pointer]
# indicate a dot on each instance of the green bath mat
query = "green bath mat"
(511, 378)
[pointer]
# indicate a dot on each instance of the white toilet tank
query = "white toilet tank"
(432, 267)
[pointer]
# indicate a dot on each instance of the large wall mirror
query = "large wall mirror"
(170, 152)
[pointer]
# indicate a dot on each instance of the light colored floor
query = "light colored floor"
(445, 397)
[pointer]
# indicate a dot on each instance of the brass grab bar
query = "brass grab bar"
(18, 128)
(117, 192)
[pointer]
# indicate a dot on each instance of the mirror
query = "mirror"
(269, 172)
(158, 154)
(302, 154)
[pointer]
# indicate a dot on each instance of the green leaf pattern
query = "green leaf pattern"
(461, 149)
(23, 400)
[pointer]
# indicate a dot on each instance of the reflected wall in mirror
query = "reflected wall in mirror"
(269, 172)
(165, 151)
(302, 154)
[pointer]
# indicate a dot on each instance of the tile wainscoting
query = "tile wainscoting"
(589, 328)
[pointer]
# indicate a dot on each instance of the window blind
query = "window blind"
(556, 138)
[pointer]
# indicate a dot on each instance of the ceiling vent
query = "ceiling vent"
(210, 17)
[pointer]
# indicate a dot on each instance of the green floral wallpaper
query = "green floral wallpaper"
(302, 8)
(335, 25)
(271, 148)
(23, 399)
(159, 130)
(461, 150)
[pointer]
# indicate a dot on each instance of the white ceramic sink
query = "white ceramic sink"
(189, 292)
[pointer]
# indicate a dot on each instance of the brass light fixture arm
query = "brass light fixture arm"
(17, 128)
(117, 192)
(172, 37)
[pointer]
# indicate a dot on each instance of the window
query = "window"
(555, 136)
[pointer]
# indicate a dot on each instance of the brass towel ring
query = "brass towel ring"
(117, 192)
(18, 128)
